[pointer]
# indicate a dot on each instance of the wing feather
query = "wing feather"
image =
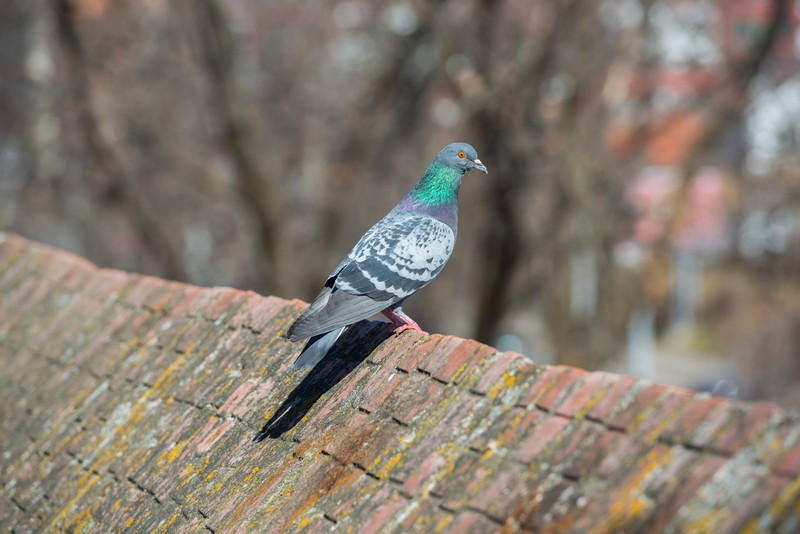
(398, 256)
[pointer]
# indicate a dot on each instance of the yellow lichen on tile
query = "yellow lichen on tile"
(443, 523)
(83, 521)
(85, 482)
(116, 504)
(232, 521)
(511, 429)
(330, 484)
(788, 499)
(458, 372)
(389, 465)
(249, 477)
(631, 502)
(506, 382)
(664, 420)
(164, 378)
(166, 526)
(169, 455)
(707, 523)
(591, 402)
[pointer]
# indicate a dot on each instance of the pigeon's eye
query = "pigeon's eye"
(461, 154)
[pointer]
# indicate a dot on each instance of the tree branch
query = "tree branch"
(255, 191)
(114, 175)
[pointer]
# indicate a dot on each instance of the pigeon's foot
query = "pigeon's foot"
(401, 321)
(404, 327)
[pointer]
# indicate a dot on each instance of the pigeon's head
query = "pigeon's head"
(461, 156)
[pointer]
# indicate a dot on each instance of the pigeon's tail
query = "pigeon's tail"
(316, 349)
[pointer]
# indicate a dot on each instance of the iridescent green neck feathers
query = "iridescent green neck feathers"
(439, 185)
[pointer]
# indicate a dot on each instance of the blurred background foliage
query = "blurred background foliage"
(640, 213)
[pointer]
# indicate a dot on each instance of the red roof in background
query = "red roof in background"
(702, 224)
(669, 137)
(131, 402)
(673, 138)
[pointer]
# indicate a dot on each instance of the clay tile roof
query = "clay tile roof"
(130, 402)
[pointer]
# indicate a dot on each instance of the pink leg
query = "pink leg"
(401, 321)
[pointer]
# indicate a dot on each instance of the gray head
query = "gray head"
(461, 156)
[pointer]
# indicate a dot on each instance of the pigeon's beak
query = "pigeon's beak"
(480, 166)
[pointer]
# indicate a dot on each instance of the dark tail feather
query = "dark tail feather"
(316, 349)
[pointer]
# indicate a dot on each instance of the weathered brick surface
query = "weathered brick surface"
(133, 403)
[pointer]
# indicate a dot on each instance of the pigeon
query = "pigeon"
(397, 257)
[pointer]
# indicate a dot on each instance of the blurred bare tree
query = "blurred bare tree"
(244, 143)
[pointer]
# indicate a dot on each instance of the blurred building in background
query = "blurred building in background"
(641, 208)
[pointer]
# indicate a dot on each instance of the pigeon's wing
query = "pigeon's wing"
(332, 309)
(402, 257)
(395, 258)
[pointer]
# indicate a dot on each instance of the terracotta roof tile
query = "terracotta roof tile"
(502, 372)
(382, 384)
(745, 423)
(406, 403)
(413, 348)
(435, 352)
(471, 522)
(584, 395)
(789, 464)
(545, 434)
(544, 383)
(466, 355)
(630, 410)
(133, 402)
(257, 312)
(694, 413)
